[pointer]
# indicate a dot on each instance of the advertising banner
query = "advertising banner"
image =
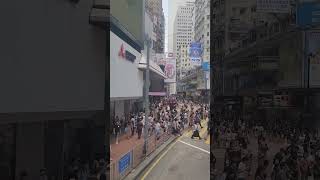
(273, 6)
(313, 48)
(195, 53)
(160, 59)
(308, 14)
(170, 70)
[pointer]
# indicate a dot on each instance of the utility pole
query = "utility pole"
(146, 95)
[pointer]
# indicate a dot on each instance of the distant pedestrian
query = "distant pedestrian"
(196, 132)
(139, 128)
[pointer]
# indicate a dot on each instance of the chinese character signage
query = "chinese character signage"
(170, 70)
(195, 53)
(124, 162)
(308, 14)
(273, 6)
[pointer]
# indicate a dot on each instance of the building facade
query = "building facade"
(259, 57)
(53, 74)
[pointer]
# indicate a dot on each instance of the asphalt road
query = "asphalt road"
(185, 159)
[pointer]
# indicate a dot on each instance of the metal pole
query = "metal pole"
(146, 97)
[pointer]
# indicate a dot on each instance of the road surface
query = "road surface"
(185, 159)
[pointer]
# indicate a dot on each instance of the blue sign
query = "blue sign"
(205, 66)
(308, 14)
(124, 162)
(195, 53)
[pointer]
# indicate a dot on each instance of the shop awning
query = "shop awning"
(153, 67)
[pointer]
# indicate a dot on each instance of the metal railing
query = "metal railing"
(121, 167)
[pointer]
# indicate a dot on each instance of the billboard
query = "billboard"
(195, 53)
(273, 6)
(160, 59)
(170, 70)
(308, 14)
(120, 9)
(313, 49)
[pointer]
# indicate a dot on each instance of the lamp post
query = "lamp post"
(146, 95)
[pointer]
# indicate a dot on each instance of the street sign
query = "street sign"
(124, 162)
(308, 14)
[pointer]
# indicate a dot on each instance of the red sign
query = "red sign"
(122, 52)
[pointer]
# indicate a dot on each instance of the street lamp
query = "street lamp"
(146, 95)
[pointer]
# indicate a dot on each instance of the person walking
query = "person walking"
(133, 125)
(196, 132)
(117, 128)
(139, 128)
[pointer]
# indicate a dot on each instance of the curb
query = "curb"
(145, 164)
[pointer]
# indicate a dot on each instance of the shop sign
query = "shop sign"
(124, 162)
(126, 54)
(273, 6)
(195, 53)
(265, 100)
(308, 14)
(281, 100)
(313, 49)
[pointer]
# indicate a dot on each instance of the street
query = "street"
(185, 159)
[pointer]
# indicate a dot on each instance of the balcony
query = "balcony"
(99, 13)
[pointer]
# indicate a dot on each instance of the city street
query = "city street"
(253, 147)
(185, 158)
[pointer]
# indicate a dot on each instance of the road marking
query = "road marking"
(194, 147)
(158, 160)
(208, 140)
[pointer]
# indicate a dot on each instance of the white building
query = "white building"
(182, 37)
(183, 27)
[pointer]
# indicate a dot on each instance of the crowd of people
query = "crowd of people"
(170, 115)
(298, 157)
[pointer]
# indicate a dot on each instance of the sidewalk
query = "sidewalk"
(124, 146)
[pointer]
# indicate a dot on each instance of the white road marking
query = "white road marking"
(195, 147)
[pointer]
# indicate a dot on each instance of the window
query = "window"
(207, 33)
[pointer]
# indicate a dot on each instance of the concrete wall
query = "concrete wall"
(51, 58)
(29, 150)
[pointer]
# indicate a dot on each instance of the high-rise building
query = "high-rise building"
(183, 27)
(155, 11)
(202, 35)
(182, 37)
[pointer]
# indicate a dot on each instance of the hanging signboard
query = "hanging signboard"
(273, 6)
(195, 53)
(313, 48)
(170, 70)
(308, 14)
(206, 66)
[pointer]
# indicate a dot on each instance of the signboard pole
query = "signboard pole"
(146, 98)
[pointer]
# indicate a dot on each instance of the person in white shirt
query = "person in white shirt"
(157, 128)
(196, 131)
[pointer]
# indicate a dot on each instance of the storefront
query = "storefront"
(126, 79)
